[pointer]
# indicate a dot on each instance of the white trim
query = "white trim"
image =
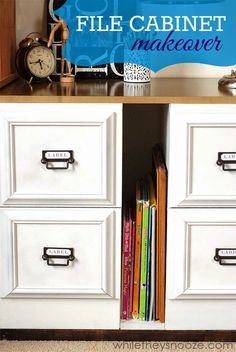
(135, 324)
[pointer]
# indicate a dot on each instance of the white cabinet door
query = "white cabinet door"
(200, 282)
(60, 154)
(202, 155)
(65, 258)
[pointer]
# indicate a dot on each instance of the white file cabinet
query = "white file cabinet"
(201, 250)
(60, 215)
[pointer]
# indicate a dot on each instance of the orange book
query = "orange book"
(161, 190)
(137, 254)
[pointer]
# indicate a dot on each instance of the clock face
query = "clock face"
(40, 61)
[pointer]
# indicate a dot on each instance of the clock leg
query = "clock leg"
(30, 81)
(49, 79)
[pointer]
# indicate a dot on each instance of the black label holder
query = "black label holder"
(58, 253)
(225, 256)
(227, 158)
(57, 156)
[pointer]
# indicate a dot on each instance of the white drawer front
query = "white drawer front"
(197, 135)
(93, 135)
(94, 237)
(193, 237)
(59, 314)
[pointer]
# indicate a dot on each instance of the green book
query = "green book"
(144, 253)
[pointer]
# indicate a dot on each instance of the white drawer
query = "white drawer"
(201, 293)
(91, 133)
(92, 236)
(197, 134)
(194, 235)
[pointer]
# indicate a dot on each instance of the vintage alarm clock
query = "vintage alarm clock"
(34, 60)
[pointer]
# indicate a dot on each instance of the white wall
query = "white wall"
(31, 16)
(194, 70)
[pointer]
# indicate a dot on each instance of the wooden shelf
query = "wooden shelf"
(159, 91)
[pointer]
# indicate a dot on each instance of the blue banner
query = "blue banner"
(153, 33)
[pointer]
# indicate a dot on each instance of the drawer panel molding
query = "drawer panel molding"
(193, 239)
(93, 236)
(199, 135)
(60, 154)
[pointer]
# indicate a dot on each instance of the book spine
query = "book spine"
(132, 266)
(126, 270)
(161, 193)
(157, 266)
(137, 258)
(144, 252)
(148, 265)
(162, 242)
(152, 308)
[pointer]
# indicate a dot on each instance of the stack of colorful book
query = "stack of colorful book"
(143, 248)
